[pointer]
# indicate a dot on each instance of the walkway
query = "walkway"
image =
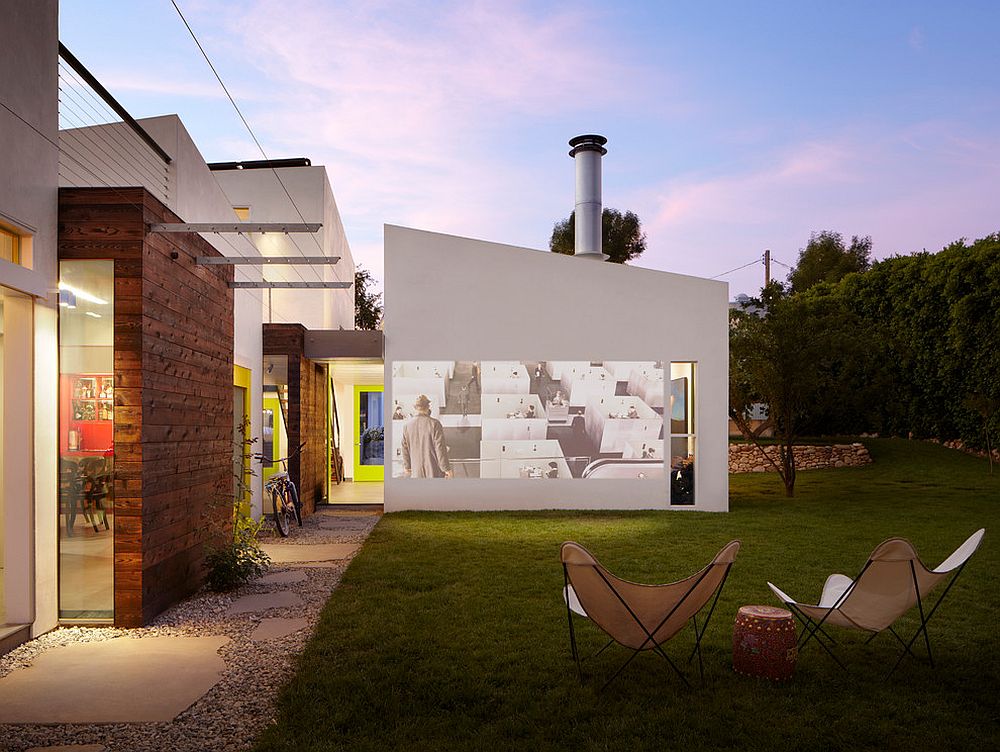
(202, 676)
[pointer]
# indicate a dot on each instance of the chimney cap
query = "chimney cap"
(588, 142)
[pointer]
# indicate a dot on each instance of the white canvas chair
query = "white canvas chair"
(892, 581)
(640, 617)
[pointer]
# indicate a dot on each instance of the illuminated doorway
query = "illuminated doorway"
(369, 433)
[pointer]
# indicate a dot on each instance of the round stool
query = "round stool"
(764, 642)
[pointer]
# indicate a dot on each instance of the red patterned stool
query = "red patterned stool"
(764, 642)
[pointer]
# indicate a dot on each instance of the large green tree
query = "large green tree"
(826, 258)
(367, 302)
(931, 326)
(789, 353)
(622, 235)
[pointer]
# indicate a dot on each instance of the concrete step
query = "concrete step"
(12, 635)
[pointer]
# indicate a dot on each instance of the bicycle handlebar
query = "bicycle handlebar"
(261, 457)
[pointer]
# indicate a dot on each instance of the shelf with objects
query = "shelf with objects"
(86, 448)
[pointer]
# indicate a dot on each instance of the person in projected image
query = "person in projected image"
(425, 454)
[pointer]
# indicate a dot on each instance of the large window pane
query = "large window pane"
(3, 500)
(86, 440)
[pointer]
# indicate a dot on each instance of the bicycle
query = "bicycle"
(284, 497)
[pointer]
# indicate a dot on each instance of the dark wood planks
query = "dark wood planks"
(307, 395)
(174, 391)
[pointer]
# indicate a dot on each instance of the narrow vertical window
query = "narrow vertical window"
(86, 440)
(683, 436)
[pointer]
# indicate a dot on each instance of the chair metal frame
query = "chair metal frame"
(812, 628)
(657, 647)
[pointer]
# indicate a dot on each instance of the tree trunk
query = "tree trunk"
(788, 466)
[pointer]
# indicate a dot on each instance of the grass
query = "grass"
(449, 633)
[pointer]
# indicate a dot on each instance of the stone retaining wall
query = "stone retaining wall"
(960, 446)
(746, 458)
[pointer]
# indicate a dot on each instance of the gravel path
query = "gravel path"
(234, 712)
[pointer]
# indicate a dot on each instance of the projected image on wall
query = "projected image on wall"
(532, 420)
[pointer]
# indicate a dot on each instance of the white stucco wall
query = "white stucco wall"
(29, 164)
(28, 206)
(452, 298)
(260, 190)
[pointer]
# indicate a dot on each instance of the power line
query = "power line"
(755, 261)
(260, 148)
(90, 181)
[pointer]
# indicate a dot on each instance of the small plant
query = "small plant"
(233, 555)
(237, 562)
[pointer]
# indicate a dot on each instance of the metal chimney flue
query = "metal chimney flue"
(587, 151)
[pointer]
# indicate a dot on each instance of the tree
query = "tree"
(367, 302)
(791, 358)
(621, 235)
(826, 259)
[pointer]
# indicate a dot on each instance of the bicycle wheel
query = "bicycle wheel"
(296, 504)
(281, 514)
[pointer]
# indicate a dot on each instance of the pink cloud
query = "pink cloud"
(418, 108)
(921, 187)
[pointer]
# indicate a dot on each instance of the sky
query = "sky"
(732, 127)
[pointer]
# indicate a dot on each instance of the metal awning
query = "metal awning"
(265, 285)
(266, 260)
(236, 227)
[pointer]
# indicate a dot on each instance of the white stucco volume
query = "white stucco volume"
(456, 299)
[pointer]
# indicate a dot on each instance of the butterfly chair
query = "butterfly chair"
(640, 617)
(893, 581)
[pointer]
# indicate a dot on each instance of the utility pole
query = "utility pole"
(767, 267)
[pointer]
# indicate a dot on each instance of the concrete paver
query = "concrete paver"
(283, 578)
(294, 554)
(113, 681)
(265, 601)
(273, 628)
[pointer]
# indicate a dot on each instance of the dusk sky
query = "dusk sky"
(733, 127)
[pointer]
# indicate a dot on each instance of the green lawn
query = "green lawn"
(449, 631)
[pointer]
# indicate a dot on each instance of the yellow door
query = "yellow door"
(369, 427)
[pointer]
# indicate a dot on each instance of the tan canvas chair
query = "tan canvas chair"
(640, 617)
(893, 581)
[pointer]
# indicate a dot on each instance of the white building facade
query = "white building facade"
(28, 343)
(626, 370)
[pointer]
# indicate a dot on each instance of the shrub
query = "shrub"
(239, 560)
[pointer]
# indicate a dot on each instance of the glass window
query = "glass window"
(683, 437)
(86, 440)
(3, 511)
(10, 246)
(275, 429)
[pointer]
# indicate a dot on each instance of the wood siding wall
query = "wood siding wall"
(173, 391)
(307, 395)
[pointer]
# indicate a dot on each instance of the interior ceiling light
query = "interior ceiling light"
(92, 314)
(82, 294)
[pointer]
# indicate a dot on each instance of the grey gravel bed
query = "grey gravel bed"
(234, 712)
